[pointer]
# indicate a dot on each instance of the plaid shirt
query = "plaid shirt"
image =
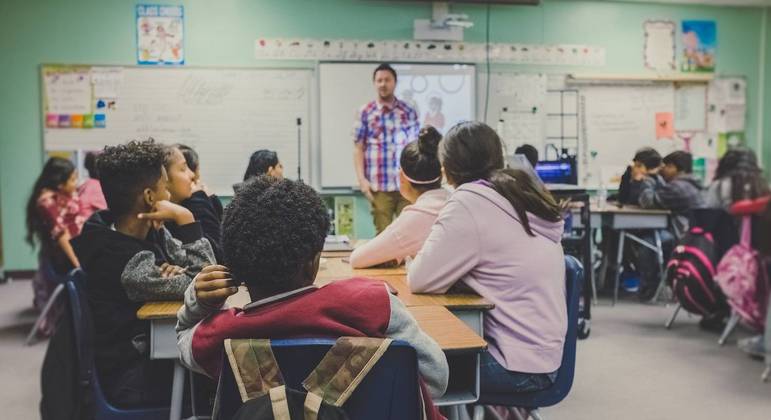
(385, 130)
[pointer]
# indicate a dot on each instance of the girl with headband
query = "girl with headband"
(420, 183)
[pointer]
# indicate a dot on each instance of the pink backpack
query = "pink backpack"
(743, 279)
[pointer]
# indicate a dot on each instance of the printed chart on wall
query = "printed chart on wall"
(225, 114)
(160, 34)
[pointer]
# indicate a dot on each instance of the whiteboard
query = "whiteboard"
(344, 88)
(224, 114)
(618, 120)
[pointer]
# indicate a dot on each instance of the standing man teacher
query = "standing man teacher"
(382, 128)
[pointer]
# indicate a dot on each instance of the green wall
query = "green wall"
(222, 33)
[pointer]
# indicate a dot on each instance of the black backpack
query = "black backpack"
(691, 271)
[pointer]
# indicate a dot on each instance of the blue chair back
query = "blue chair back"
(84, 339)
(574, 277)
(388, 392)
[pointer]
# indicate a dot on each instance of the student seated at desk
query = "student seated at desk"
(499, 234)
(646, 160)
(738, 167)
(262, 162)
(188, 190)
(272, 236)
(420, 180)
(130, 258)
(675, 189)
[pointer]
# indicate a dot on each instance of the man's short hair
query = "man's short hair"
(386, 67)
(683, 161)
(270, 231)
(126, 170)
(649, 157)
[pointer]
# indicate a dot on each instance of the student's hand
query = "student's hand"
(166, 211)
(170, 270)
(366, 189)
(213, 285)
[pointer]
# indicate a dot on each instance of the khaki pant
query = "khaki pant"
(385, 207)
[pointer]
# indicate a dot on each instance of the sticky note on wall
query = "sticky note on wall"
(88, 121)
(64, 121)
(99, 121)
(76, 121)
(52, 120)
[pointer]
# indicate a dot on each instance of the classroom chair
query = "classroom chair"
(45, 265)
(388, 392)
(82, 326)
(574, 275)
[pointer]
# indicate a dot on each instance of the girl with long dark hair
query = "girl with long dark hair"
(500, 235)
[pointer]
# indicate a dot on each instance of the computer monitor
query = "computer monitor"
(561, 171)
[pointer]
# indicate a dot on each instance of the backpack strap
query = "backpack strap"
(343, 368)
(254, 368)
(279, 403)
(746, 235)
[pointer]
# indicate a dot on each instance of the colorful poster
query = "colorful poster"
(160, 34)
(699, 45)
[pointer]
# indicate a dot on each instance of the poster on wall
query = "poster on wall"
(160, 34)
(660, 45)
(699, 46)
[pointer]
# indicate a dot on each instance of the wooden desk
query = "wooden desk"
(626, 218)
(459, 342)
(337, 269)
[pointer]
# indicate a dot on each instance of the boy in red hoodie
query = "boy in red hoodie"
(272, 236)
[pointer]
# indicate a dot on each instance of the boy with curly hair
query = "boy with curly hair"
(272, 236)
(131, 258)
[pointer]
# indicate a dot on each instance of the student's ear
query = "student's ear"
(311, 269)
(148, 197)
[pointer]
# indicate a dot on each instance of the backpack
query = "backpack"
(690, 272)
(327, 387)
(741, 278)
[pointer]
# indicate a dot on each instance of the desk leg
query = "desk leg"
(619, 262)
(660, 256)
(177, 391)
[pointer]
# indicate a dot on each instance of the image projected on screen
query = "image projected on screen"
(441, 95)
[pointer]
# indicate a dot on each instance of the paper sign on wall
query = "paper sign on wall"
(68, 93)
(660, 45)
(664, 125)
(160, 34)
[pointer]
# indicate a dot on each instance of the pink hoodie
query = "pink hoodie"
(405, 236)
(479, 240)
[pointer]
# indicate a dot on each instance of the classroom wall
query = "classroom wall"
(222, 33)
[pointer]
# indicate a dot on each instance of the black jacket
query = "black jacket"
(123, 272)
(207, 210)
